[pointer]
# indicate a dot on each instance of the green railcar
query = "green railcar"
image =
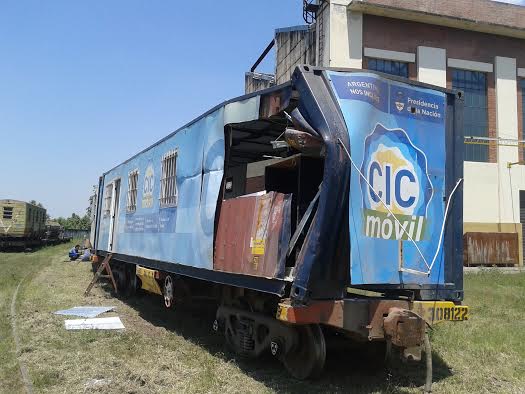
(21, 224)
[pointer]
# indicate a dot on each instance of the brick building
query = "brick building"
(477, 46)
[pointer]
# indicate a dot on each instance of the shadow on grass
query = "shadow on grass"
(21, 249)
(29, 249)
(349, 367)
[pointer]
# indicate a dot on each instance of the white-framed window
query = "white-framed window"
(133, 179)
(168, 181)
(107, 199)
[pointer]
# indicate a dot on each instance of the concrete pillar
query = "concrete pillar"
(345, 36)
(355, 37)
(507, 127)
(506, 103)
(432, 66)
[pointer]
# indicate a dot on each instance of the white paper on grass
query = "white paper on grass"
(99, 323)
(85, 311)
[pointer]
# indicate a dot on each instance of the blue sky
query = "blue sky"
(84, 85)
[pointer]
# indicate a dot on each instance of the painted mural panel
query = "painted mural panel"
(397, 145)
(182, 233)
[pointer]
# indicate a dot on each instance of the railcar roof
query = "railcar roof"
(279, 87)
(11, 201)
(215, 108)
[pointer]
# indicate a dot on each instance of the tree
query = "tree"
(76, 222)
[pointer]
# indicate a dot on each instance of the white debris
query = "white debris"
(93, 383)
(101, 323)
(85, 311)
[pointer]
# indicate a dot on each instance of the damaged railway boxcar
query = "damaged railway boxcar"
(22, 224)
(329, 203)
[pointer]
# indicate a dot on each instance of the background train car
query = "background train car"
(21, 224)
(288, 203)
(54, 233)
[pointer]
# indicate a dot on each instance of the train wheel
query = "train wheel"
(307, 358)
(168, 291)
(129, 286)
(132, 280)
(119, 273)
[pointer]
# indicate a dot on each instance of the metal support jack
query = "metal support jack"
(105, 265)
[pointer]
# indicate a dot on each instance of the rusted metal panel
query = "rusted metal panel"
(274, 102)
(490, 249)
(357, 315)
(253, 235)
(330, 312)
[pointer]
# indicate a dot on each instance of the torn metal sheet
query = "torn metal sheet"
(100, 323)
(85, 311)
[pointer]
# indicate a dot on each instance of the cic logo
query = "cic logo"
(148, 186)
(397, 171)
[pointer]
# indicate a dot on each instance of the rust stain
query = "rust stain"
(253, 235)
(403, 328)
(490, 249)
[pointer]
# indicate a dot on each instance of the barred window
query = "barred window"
(475, 112)
(168, 182)
(388, 67)
(8, 213)
(107, 199)
(133, 179)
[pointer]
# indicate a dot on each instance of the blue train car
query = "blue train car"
(360, 174)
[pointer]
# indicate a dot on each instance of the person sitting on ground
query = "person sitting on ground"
(87, 255)
(74, 253)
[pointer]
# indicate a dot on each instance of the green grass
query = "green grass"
(487, 353)
(14, 267)
(175, 351)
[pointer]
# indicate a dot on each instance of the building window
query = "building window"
(168, 182)
(389, 67)
(475, 114)
(133, 179)
(8, 213)
(107, 199)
